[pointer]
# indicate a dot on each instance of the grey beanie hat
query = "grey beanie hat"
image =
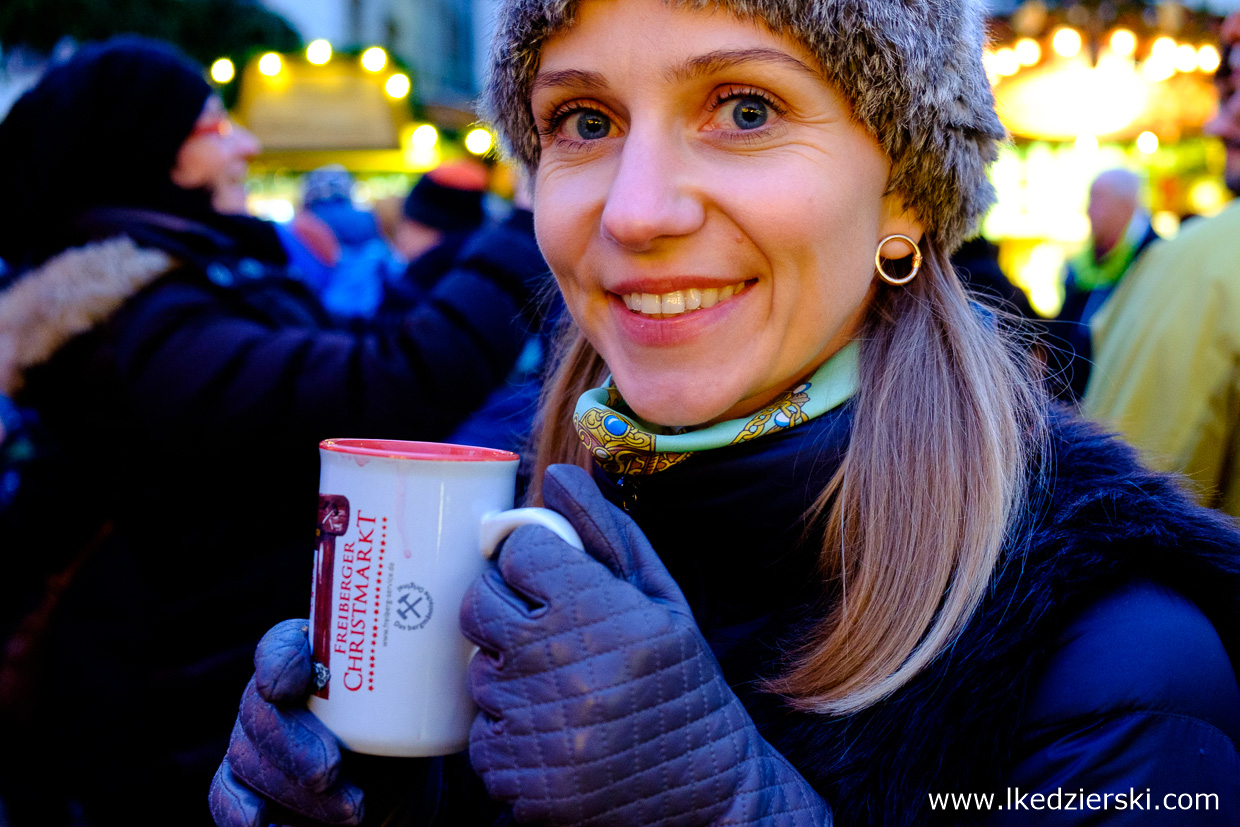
(911, 69)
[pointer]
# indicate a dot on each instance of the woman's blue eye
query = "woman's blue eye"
(593, 125)
(750, 113)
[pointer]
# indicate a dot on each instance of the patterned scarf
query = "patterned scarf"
(623, 443)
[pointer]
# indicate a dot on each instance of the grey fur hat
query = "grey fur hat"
(911, 69)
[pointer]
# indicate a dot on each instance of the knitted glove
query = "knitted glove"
(601, 702)
(281, 758)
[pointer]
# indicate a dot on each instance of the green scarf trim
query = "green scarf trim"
(623, 443)
(1092, 273)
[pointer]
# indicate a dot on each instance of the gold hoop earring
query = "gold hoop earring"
(878, 260)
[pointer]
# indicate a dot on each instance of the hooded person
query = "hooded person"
(843, 562)
(355, 260)
(186, 376)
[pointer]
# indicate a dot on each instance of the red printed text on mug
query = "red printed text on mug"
(354, 594)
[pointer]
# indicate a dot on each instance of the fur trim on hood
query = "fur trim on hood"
(66, 296)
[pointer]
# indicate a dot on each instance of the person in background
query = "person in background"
(444, 208)
(506, 419)
(840, 556)
(1167, 344)
(187, 377)
(347, 240)
(445, 217)
(1120, 231)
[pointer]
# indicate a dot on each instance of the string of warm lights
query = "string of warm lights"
(319, 53)
(1163, 57)
(374, 60)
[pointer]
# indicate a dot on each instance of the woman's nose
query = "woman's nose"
(651, 196)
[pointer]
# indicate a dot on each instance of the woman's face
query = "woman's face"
(691, 159)
(216, 158)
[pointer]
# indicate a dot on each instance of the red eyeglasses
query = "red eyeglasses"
(223, 127)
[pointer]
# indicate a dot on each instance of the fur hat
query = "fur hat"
(912, 72)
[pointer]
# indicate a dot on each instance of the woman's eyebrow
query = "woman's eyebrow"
(723, 59)
(704, 64)
(586, 81)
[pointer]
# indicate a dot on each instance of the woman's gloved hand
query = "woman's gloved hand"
(601, 702)
(282, 761)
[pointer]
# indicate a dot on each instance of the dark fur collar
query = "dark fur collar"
(1097, 520)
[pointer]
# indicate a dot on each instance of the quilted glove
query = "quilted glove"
(282, 763)
(601, 702)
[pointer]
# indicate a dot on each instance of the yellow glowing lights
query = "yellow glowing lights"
(222, 70)
(397, 85)
(420, 147)
(319, 52)
(1165, 223)
(1159, 66)
(1086, 143)
(1207, 197)
(1185, 58)
(1147, 143)
(1028, 52)
(1208, 59)
(374, 59)
(1070, 99)
(270, 64)
(988, 63)
(1163, 46)
(1066, 42)
(1005, 62)
(424, 138)
(478, 141)
(1123, 42)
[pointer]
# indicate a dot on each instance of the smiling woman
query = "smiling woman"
(744, 178)
(840, 554)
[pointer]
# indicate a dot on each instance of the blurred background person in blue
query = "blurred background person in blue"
(347, 241)
(186, 376)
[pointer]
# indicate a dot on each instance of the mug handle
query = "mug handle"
(497, 525)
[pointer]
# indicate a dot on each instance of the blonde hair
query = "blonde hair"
(947, 427)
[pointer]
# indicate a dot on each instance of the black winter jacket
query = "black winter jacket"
(1095, 685)
(187, 378)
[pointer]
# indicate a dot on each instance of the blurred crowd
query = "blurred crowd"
(169, 363)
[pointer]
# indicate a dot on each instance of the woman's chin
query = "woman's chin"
(673, 410)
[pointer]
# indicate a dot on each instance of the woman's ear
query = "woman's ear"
(898, 219)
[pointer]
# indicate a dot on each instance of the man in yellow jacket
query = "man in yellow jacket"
(1167, 344)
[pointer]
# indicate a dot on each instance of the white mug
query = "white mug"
(404, 528)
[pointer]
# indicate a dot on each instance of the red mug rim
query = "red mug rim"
(406, 449)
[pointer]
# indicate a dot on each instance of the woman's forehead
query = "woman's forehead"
(681, 40)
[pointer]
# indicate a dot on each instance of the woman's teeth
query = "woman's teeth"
(680, 301)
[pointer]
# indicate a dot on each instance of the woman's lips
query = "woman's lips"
(677, 302)
(678, 327)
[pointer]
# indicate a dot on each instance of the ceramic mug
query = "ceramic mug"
(403, 529)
